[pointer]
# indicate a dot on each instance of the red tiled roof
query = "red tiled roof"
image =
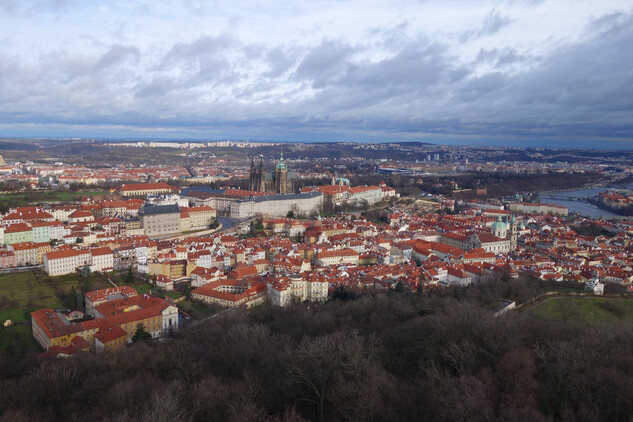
(100, 251)
(109, 332)
(65, 253)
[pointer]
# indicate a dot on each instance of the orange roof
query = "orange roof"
(201, 208)
(100, 251)
(109, 332)
(210, 290)
(28, 213)
(65, 253)
(24, 246)
(80, 213)
(336, 253)
(17, 227)
(53, 324)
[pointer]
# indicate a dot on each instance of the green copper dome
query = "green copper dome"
(499, 224)
(280, 164)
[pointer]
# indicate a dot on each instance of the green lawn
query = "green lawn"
(583, 309)
(17, 340)
(174, 294)
(30, 197)
(21, 293)
(198, 310)
(143, 288)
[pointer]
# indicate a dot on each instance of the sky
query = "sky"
(516, 72)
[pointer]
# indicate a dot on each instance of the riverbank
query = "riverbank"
(627, 212)
(576, 200)
(584, 187)
(606, 184)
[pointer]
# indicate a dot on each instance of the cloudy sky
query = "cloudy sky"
(528, 72)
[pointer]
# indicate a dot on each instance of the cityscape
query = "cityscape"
(316, 211)
(97, 257)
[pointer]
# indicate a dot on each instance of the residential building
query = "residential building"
(18, 233)
(102, 259)
(338, 256)
(66, 261)
(7, 259)
(25, 253)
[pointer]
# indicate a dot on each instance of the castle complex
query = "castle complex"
(278, 182)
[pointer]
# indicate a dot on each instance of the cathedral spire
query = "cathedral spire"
(281, 164)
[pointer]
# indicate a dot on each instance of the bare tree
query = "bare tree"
(317, 365)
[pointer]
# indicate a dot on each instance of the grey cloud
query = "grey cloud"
(608, 23)
(531, 3)
(480, 86)
(592, 75)
(203, 60)
(279, 61)
(205, 45)
(117, 54)
(509, 57)
(415, 66)
(500, 58)
(156, 87)
(487, 55)
(8, 6)
(64, 68)
(407, 81)
(580, 90)
(492, 24)
(393, 37)
(26, 9)
(325, 62)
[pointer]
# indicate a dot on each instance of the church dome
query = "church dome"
(499, 224)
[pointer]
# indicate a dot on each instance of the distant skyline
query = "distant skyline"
(555, 73)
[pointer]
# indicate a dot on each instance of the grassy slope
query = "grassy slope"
(24, 292)
(26, 198)
(581, 309)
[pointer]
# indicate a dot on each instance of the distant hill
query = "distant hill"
(77, 149)
(17, 146)
(411, 143)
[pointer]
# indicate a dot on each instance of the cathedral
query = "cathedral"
(278, 182)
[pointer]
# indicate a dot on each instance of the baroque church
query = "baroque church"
(279, 181)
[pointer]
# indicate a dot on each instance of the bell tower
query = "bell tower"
(513, 233)
(281, 176)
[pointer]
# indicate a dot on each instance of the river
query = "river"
(575, 201)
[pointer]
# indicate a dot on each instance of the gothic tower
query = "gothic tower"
(252, 176)
(260, 185)
(281, 177)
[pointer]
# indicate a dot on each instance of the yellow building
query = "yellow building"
(144, 189)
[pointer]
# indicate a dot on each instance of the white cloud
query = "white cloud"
(400, 68)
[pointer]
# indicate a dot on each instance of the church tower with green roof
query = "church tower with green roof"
(281, 177)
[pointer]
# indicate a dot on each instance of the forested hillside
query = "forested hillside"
(393, 357)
